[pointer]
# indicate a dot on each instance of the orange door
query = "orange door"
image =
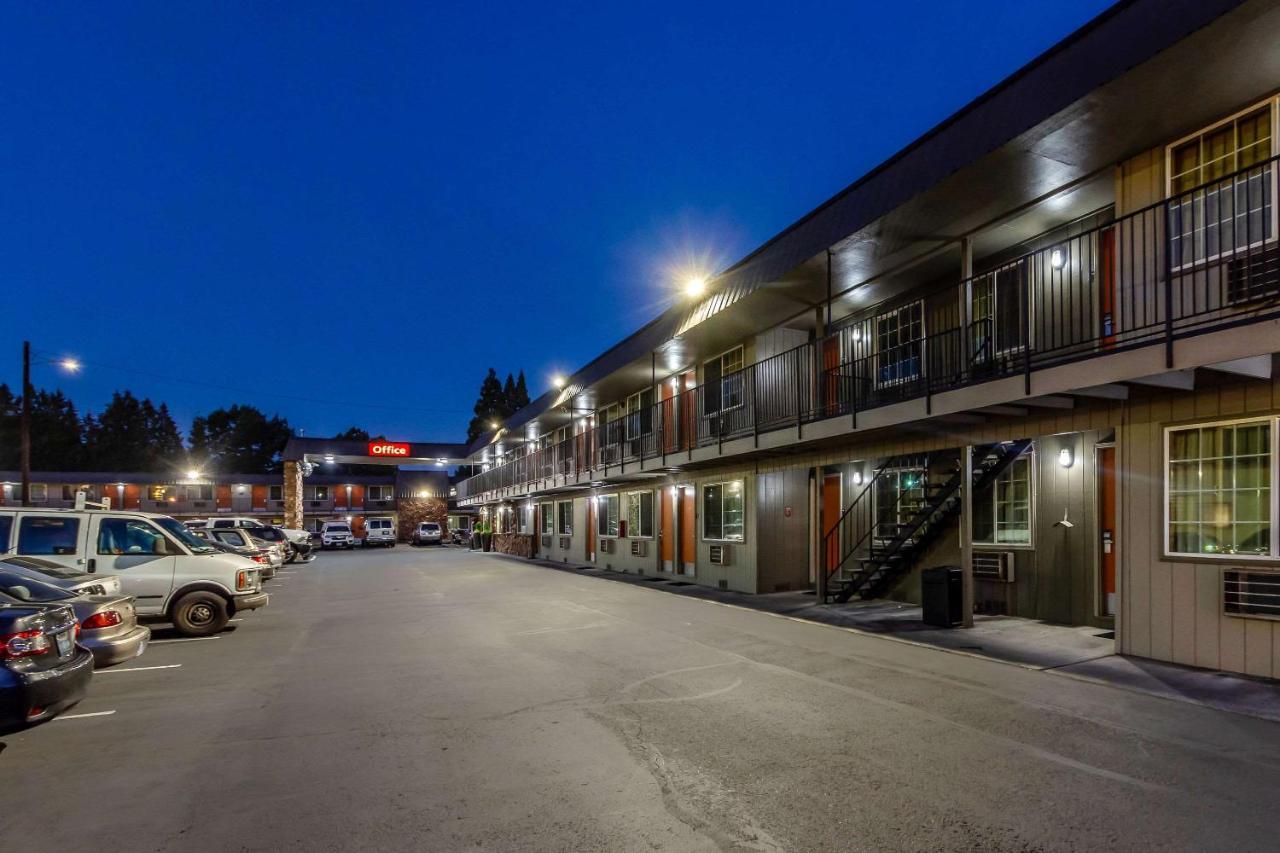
(670, 421)
(667, 529)
(830, 364)
(688, 410)
(132, 496)
(357, 497)
(259, 497)
(831, 505)
(688, 533)
(1107, 513)
(591, 529)
(223, 496)
(1107, 286)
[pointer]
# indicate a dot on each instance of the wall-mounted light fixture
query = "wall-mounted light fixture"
(1066, 458)
(1057, 259)
(857, 478)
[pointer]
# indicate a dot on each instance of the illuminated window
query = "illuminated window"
(1002, 511)
(640, 515)
(723, 509)
(1218, 483)
(607, 515)
(564, 513)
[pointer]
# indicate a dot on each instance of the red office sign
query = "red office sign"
(388, 448)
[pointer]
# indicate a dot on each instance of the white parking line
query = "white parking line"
(138, 668)
(184, 640)
(82, 716)
(286, 573)
(234, 620)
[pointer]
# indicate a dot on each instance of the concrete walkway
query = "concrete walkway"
(1080, 652)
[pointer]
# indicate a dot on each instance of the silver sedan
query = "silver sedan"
(107, 624)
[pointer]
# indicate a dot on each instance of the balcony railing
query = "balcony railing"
(1201, 261)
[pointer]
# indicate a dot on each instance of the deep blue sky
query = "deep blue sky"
(370, 204)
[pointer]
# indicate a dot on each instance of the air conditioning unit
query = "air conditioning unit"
(993, 566)
(1252, 594)
(564, 543)
(607, 546)
(546, 540)
(639, 548)
(720, 555)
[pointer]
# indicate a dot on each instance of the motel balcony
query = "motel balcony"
(1191, 281)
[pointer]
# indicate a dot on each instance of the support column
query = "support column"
(293, 494)
(966, 535)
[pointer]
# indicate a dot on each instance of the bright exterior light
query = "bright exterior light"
(1057, 259)
(558, 381)
(193, 474)
(493, 424)
(1065, 457)
(695, 286)
(857, 478)
(70, 365)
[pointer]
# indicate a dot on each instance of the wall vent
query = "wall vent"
(639, 548)
(1251, 594)
(606, 546)
(564, 543)
(724, 584)
(546, 540)
(993, 566)
(720, 555)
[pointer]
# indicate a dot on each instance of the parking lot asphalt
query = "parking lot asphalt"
(435, 699)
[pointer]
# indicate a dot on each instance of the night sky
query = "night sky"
(346, 213)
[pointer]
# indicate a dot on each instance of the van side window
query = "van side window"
(229, 537)
(126, 536)
(40, 535)
(224, 522)
(6, 524)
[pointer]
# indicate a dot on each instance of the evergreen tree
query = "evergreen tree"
(490, 406)
(57, 435)
(163, 438)
(239, 440)
(520, 398)
(118, 439)
(508, 397)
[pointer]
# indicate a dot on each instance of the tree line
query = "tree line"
(132, 435)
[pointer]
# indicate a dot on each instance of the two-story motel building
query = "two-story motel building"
(1074, 282)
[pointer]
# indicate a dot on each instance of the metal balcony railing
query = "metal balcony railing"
(1203, 260)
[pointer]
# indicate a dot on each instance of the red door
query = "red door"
(1107, 513)
(830, 516)
(688, 535)
(667, 530)
(831, 379)
(1107, 306)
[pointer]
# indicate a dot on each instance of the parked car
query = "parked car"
(72, 580)
(428, 533)
(294, 543)
(233, 542)
(42, 670)
(109, 626)
(379, 531)
(171, 573)
(336, 534)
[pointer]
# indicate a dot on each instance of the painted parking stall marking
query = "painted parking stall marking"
(84, 716)
(138, 669)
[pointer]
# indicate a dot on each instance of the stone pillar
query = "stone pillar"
(292, 494)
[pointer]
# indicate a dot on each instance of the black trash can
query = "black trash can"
(942, 596)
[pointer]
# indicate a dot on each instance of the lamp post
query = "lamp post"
(69, 364)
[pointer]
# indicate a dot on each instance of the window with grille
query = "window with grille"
(899, 344)
(1219, 489)
(1223, 188)
(1002, 511)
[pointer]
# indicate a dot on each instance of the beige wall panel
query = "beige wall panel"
(1208, 604)
(1257, 647)
(1183, 583)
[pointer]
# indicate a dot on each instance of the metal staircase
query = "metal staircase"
(870, 547)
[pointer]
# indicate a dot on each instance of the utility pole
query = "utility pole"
(26, 423)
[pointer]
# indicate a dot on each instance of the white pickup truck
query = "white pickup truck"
(170, 572)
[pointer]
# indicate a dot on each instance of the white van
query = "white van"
(379, 531)
(170, 572)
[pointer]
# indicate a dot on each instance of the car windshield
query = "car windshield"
(25, 588)
(430, 526)
(175, 529)
(44, 567)
(339, 528)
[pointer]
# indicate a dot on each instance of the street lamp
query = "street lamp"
(70, 365)
(694, 286)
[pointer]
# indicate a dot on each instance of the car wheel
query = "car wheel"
(200, 614)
